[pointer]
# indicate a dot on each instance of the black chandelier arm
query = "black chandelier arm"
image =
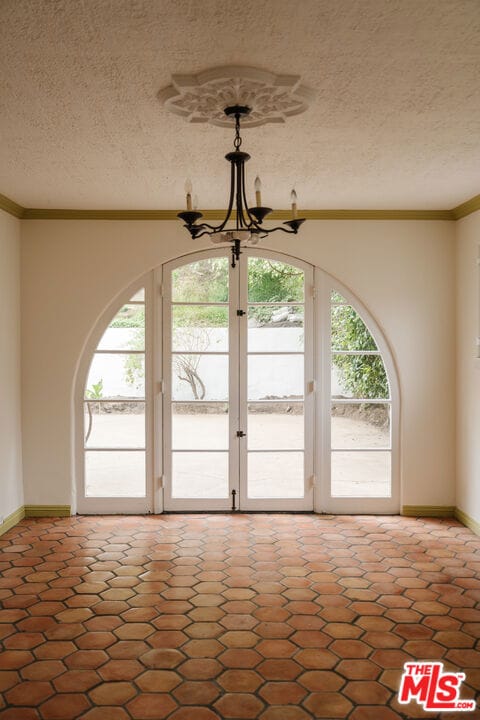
(195, 235)
(293, 224)
(253, 220)
(241, 223)
(220, 227)
(213, 228)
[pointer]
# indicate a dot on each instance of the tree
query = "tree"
(363, 376)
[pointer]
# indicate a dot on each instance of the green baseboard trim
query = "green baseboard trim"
(12, 519)
(428, 510)
(47, 511)
(466, 520)
(32, 511)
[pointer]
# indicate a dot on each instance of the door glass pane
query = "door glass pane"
(201, 281)
(275, 475)
(360, 426)
(200, 475)
(359, 376)
(126, 331)
(335, 297)
(199, 377)
(114, 474)
(361, 474)
(349, 332)
(275, 426)
(200, 328)
(111, 425)
(119, 376)
(275, 328)
(274, 281)
(200, 426)
(275, 377)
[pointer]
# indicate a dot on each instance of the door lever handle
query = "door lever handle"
(240, 433)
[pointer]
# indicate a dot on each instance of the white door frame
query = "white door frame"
(164, 382)
(116, 505)
(306, 503)
(326, 503)
(237, 389)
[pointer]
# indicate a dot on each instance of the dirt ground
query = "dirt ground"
(272, 474)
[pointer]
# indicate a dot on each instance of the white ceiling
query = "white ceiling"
(394, 123)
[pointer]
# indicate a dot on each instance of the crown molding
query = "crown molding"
(23, 213)
(467, 208)
(11, 207)
(67, 214)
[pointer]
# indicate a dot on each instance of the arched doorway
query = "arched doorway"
(266, 386)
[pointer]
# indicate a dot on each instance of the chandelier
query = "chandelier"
(246, 224)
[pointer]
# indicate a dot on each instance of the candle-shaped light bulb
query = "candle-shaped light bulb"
(188, 191)
(293, 197)
(195, 202)
(258, 187)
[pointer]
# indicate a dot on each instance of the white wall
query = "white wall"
(11, 484)
(468, 366)
(403, 271)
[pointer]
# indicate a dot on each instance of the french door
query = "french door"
(238, 391)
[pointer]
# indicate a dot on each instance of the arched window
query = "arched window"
(270, 379)
(360, 409)
(115, 395)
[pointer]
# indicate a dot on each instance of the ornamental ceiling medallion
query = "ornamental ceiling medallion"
(203, 98)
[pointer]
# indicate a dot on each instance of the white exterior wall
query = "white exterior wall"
(403, 271)
(468, 366)
(11, 484)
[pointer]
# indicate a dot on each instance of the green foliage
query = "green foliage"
(130, 316)
(361, 376)
(199, 316)
(349, 332)
(133, 364)
(271, 281)
(202, 281)
(96, 391)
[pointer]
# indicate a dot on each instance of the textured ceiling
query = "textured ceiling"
(394, 123)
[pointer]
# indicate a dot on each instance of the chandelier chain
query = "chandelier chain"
(238, 140)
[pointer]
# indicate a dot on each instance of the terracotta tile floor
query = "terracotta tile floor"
(278, 617)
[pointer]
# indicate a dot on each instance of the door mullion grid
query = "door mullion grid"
(234, 399)
(309, 389)
(242, 443)
(167, 387)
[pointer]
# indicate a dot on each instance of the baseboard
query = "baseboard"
(47, 510)
(12, 519)
(407, 510)
(466, 520)
(428, 510)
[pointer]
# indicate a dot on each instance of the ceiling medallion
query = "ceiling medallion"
(203, 98)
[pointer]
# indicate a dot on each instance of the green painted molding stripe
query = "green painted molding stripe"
(34, 511)
(467, 208)
(428, 510)
(47, 511)
(70, 214)
(45, 214)
(11, 207)
(12, 519)
(466, 520)
(23, 213)
(407, 510)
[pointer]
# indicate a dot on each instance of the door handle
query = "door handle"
(240, 433)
